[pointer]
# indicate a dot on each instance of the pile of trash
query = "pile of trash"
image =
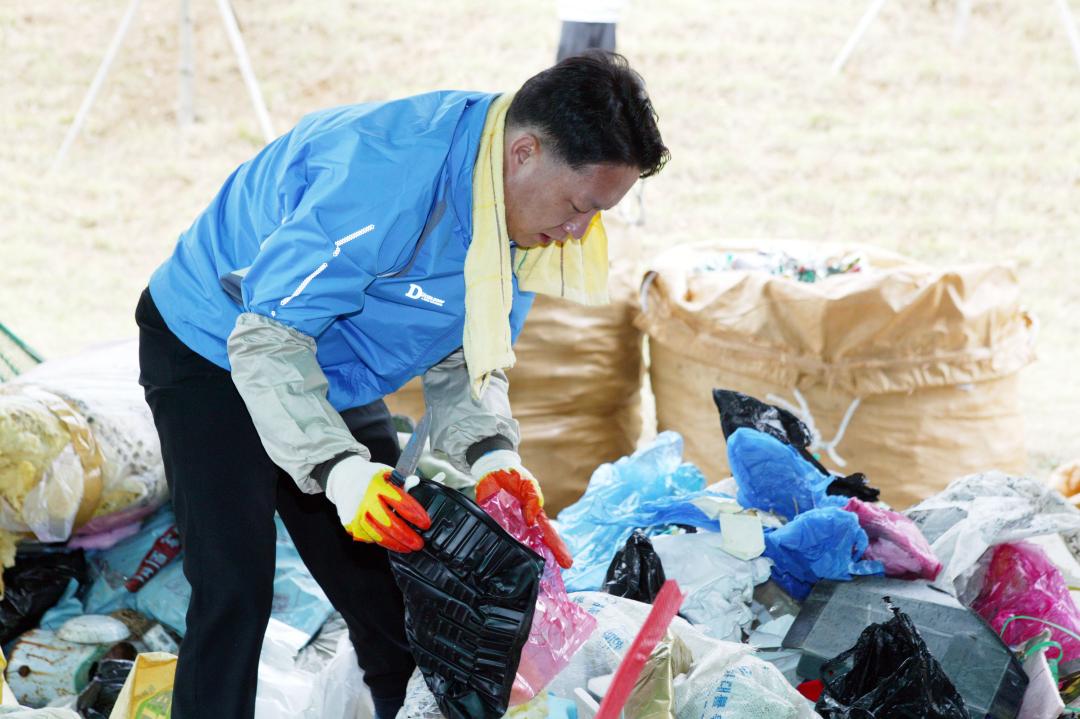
(813, 267)
(785, 590)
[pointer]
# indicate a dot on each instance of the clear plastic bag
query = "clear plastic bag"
(559, 627)
(1021, 581)
(650, 488)
(80, 453)
(896, 542)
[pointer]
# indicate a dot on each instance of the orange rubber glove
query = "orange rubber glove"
(372, 508)
(502, 469)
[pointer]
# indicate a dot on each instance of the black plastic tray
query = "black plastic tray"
(470, 594)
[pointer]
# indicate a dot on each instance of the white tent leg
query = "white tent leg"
(1070, 28)
(95, 85)
(245, 68)
(860, 30)
(963, 19)
(185, 111)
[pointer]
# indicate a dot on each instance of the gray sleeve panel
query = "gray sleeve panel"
(275, 370)
(457, 420)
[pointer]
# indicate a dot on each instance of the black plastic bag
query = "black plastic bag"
(34, 585)
(853, 485)
(741, 410)
(888, 674)
(97, 699)
(636, 571)
(470, 595)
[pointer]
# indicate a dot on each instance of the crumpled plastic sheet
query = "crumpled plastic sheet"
(650, 488)
(768, 639)
(895, 541)
(37, 582)
(1021, 580)
(747, 688)
(719, 588)
(323, 684)
(97, 699)
(978, 511)
(559, 627)
(420, 703)
(889, 674)
(653, 696)
(825, 543)
(774, 477)
(338, 690)
(618, 622)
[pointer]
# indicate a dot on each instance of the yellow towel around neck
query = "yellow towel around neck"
(577, 270)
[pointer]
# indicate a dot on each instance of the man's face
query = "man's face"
(547, 200)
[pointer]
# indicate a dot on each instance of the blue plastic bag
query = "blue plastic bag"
(774, 477)
(825, 543)
(651, 488)
(298, 599)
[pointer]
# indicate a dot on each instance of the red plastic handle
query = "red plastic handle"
(656, 624)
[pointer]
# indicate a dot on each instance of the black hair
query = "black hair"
(593, 109)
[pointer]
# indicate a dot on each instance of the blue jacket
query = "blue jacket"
(352, 228)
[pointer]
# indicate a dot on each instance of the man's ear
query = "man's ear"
(524, 149)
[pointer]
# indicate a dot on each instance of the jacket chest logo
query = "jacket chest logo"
(417, 293)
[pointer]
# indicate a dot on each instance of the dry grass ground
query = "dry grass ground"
(948, 153)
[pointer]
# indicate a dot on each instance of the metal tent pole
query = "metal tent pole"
(185, 111)
(245, 68)
(860, 30)
(98, 81)
(1070, 28)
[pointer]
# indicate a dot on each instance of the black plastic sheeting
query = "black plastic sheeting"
(470, 594)
(636, 571)
(888, 674)
(741, 410)
(980, 666)
(97, 699)
(34, 585)
(854, 485)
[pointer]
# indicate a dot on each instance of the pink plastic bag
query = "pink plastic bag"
(1021, 579)
(559, 626)
(896, 542)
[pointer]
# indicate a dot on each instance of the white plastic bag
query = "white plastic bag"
(419, 701)
(618, 622)
(747, 688)
(339, 691)
(976, 512)
(16, 712)
(719, 587)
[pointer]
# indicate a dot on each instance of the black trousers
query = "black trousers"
(225, 490)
